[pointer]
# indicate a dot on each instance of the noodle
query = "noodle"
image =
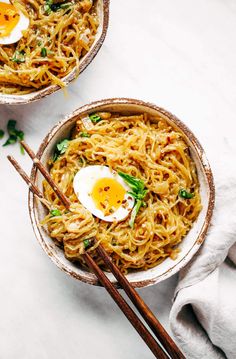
(50, 48)
(149, 149)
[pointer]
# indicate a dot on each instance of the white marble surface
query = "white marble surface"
(180, 55)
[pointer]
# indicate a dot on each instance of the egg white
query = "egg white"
(83, 184)
(16, 33)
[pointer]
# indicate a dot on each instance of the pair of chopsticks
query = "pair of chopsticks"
(166, 348)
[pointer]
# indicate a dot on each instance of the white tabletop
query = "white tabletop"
(180, 55)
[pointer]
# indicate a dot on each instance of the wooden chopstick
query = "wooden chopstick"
(46, 175)
(142, 307)
(146, 313)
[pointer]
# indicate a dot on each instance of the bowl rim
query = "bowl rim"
(206, 169)
(6, 99)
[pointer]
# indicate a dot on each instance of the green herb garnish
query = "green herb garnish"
(47, 6)
(185, 194)
(43, 52)
(14, 135)
(138, 193)
(60, 148)
(95, 118)
(10, 141)
(20, 135)
(11, 127)
(47, 9)
(50, 6)
(66, 5)
(1, 134)
(18, 57)
(86, 243)
(84, 134)
(55, 212)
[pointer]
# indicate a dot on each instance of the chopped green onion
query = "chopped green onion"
(134, 212)
(18, 57)
(50, 6)
(47, 6)
(66, 5)
(95, 118)
(43, 52)
(86, 243)
(84, 134)
(55, 212)
(47, 9)
(1, 134)
(185, 194)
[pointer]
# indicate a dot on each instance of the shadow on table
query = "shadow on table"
(96, 299)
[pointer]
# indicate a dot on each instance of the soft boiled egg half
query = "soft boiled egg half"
(12, 23)
(103, 192)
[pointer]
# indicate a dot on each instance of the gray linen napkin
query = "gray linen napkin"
(203, 316)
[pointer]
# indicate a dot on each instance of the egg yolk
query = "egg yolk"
(9, 18)
(108, 195)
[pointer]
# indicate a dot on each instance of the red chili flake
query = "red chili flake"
(102, 204)
(106, 188)
(118, 201)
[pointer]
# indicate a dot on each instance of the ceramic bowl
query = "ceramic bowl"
(190, 244)
(103, 13)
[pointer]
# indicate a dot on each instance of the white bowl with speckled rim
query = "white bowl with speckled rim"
(103, 14)
(190, 244)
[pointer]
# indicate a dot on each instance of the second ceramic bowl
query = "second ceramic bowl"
(103, 14)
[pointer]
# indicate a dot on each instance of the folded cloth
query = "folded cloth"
(203, 316)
